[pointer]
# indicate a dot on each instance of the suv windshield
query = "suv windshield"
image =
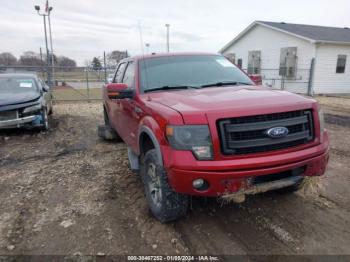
(17, 84)
(191, 70)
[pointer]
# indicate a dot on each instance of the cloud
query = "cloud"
(82, 29)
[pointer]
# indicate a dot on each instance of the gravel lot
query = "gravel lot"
(68, 192)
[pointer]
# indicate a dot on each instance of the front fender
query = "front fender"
(150, 126)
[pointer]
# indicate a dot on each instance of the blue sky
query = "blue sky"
(85, 28)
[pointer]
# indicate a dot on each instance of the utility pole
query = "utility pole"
(167, 37)
(37, 8)
(49, 9)
(42, 63)
(105, 65)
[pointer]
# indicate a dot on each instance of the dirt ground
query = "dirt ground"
(67, 192)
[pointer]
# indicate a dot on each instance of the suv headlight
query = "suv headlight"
(195, 138)
(321, 119)
(32, 109)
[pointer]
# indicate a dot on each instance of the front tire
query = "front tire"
(45, 119)
(165, 204)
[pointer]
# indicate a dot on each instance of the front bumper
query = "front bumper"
(228, 179)
(18, 122)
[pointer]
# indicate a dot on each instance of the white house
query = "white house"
(283, 53)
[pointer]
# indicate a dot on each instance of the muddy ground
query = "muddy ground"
(68, 192)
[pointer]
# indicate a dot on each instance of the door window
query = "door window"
(129, 75)
(119, 73)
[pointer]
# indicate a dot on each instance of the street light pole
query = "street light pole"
(37, 8)
(52, 53)
(147, 48)
(167, 37)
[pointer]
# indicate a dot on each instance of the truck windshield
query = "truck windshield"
(17, 84)
(189, 70)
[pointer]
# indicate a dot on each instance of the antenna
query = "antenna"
(143, 55)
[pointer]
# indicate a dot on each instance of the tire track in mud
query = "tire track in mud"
(340, 120)
(161, 238)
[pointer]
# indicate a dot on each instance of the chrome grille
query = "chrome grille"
(8, 115)
(245, 135)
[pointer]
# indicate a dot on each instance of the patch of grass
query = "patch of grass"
(77, 94)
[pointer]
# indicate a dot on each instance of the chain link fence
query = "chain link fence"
(85, 83)
(69, 83)
(298, 81)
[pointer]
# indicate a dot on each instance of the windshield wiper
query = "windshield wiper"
(226, 83)
(170, 88)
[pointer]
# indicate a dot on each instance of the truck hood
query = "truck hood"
(229, 101)
(7, 98)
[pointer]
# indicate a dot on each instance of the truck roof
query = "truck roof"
(154, 55)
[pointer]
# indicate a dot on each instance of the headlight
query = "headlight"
(321, 119)
(32, 109)
(195, 138)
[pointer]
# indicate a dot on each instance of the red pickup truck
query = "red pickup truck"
(195, 124)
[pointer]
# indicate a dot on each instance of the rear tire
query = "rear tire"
(165, 204)
(51, 108)
(107, 132)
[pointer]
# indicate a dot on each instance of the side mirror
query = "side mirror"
(119, 91)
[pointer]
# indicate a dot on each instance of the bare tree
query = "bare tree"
(7, 59)
(30, 58)
(63, 61)
(115, 56)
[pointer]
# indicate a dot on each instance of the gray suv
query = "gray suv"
(25, 101)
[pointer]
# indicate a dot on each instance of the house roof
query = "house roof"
(312, 33)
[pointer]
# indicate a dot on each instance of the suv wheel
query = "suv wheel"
(45, 120)
(165, 204)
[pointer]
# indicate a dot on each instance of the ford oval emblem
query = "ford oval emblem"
(277, 132)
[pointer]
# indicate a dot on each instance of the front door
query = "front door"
(129, 111)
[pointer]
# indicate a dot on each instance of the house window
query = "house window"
(231, 57)
(341, 61)
(239, 62)
(254, 62)
(288, 62)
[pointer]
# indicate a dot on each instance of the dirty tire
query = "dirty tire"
(105, 117)
(51, 108)
(293, 188)
(107, 133)
(46, 122)
(117, 138)
(165, 204)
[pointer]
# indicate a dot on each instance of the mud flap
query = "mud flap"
(133, 160)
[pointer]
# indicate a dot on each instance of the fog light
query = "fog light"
(198, 183)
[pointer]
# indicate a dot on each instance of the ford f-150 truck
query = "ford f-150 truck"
(195, 124)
